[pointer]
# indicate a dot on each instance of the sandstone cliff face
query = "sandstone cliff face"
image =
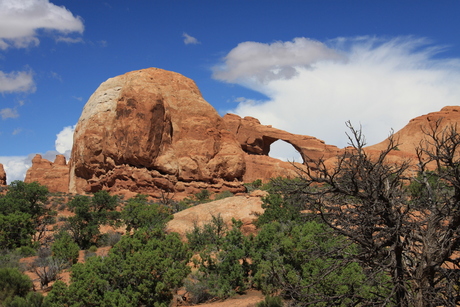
(149, 130)
(55, 175)
(2, 175)
(410, 136)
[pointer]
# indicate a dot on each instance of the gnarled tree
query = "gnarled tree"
(404, 217)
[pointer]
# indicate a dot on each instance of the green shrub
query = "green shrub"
(203, 196)
(27, 251)
(93, 249)
(210, 234)
(12, 283)
(198, 289)
(252, 186)
(271, 301)
(224, 259)
(139, 212)
(223, 195)
(141, 270)
(65, 248)
(109, 239)
(32, 299)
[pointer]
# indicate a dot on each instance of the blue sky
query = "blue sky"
(302, 66)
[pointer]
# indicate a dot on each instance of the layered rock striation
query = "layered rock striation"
(152, 130)
(54, 175)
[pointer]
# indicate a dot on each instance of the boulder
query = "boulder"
(148, 130)
(54, 175)
(241, 208)
(2, 176)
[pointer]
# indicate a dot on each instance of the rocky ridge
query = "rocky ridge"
(150, 131)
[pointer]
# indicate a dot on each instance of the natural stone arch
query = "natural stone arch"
(283, 150)
(256, 139)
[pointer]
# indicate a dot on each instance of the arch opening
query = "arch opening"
(284, 151)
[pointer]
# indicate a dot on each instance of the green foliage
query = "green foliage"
(13, 283)
(277, 209)
(90, 213)
(307, 263)
(142, 269)
(16, 230)
(139, 212)
(203, 196)
(24, 197)
(32, 299)
(10, 259)
(109, 239)
(210, 235)
(271, 301)
(65, 248)
(23, 215)
(223, 195)
(252, 186)
(224, 260)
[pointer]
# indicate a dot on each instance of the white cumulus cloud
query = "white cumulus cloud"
(190, 39)
(17, 81)
(20, 20)
(252, 61)
(314, 87)
(64, 140)
(16, 166)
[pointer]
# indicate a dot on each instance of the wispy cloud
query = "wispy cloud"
(16, 81)
(190, 40)
(20, 20)
(16, 131)
(8, 113)
(69, 40)
(314, 87)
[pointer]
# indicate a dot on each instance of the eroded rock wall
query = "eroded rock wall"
(152, 130)
(54, 175)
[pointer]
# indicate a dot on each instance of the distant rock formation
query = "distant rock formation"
(256, 139)
(151, 130)
(53, 175)
(2, 175)
(410, 136)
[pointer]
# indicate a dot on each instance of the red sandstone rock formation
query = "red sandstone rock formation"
(412, 136)
(256, 139)
(414, 132)
(53, 175)
(2, 175)
(149, 130)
